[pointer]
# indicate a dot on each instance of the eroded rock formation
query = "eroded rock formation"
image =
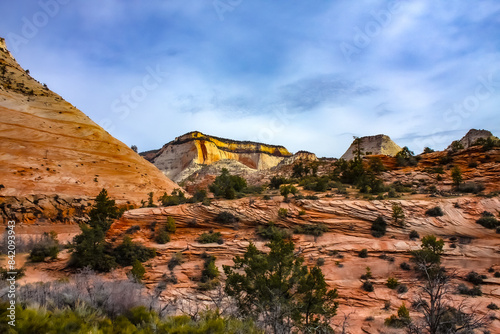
(187, 154)
(372, 145)
(472, 136)
(50, 148)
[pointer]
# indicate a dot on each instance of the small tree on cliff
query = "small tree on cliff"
(277, 290)
(456, 175)
(103, 212)
(90, 248)
(398, 214)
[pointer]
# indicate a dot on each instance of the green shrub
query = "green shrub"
(492, 306)
(392, 283)
(276, 182)
(137, 271)
(447, 159)
(127, 252)
(368, 274)
(367, 286)
(227, 185)
(363, 253)
(435, 212)
(474, 278)
(471, 187)
(288, 189)
(405, 157)
(402, 288)
(177, 197)
(474, 292)
(488, 222)
(133, 229)
(137, 320)
(316, 229)
(401, 320)
(414, 235)
(226, 218)
(379, 227)
(209, 275)
(162, 237)
(405, 266)
(47, 246)
(272, 232)
(282, 212)
(170, 226)
(210, 237)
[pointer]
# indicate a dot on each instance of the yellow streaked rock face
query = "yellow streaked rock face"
(195, 148)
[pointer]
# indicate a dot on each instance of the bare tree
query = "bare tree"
(434, 302)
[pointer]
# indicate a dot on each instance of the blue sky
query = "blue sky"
(306, 75)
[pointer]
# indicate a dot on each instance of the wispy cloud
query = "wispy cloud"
(272, 71)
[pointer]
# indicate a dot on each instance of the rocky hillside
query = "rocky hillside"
(471, 137)
(372, 145)
(52, 150)
(186, 154)
(469, 247)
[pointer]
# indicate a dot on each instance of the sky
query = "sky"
(308, 75)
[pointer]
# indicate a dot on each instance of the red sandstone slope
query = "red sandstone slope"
(49, 147)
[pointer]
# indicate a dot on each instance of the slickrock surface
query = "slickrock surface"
(49, 148)
(468, 247)
(187, 154)
(373, 145)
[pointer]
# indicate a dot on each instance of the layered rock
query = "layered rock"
(187, 154)
(51, 148)
(372, 145)
(469, 246)
(471, 137)
(303, 156)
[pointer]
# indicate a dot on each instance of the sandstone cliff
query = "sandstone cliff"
(186, 154)
(50, 148)
(373, 145)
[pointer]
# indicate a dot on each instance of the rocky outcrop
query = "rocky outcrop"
(471, 137)
(188, 153)
(372, 145)
(50, 148)
(303, 156)
(469, 246)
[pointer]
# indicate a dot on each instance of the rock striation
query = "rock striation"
(50, 148)
(372, 145)
(469, 246)
(188, 153)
